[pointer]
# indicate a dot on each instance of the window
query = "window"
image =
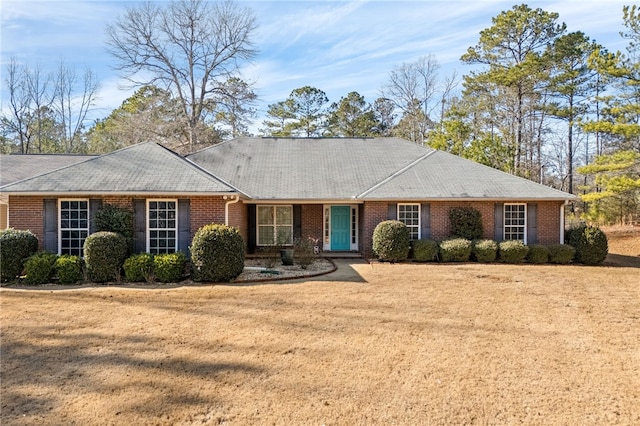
(162, 226)
(74, 226)
(515, 223)
(409, 214)
(275, 225)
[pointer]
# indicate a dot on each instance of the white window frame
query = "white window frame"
(275, 225)
(417, 227)
(506, 235)
(77, 229)
(150, 229)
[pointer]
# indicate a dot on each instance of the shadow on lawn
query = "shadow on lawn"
(42, 374)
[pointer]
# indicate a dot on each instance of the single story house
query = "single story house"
(275, 190)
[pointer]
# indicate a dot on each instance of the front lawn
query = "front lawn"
(396, 344)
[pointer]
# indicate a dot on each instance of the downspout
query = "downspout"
(234, 199)
(562, 207)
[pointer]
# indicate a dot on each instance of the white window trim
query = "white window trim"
(59, 219)
(275, 237)
(419, 215)
(504, 220)
(148, 229)
(326, 226)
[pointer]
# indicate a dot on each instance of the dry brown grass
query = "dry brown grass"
(390, 344)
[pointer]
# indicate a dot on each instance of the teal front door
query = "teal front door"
(340, 228)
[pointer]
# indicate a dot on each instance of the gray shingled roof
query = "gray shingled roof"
(356, 168)
(16, 167)
(301, 168)
(441, 175)
(142, 168)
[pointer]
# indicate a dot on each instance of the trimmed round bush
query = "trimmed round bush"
(139, 268)
(104, 254)
(217, 253)
(455, 250)
(590, 243)
(69, 269)
(538, 254)
(465, 222)
(484, 251)
(391, 241)
(168, 267)
(425, 250)
(561, 254)
(15, 247)
(39, 268)
(512, 251)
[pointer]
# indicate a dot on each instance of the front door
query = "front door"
(340, 227)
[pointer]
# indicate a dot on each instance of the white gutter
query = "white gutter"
(234, 199)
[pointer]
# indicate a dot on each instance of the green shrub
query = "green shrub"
(217, 253)
(39, 268)
(104, 254)
(465, 222)
(538, 254)
(69, 269)
(590, 243)
(512, 251)
(455, 250)
(168, 267)
(15, 247)
(391, 241)
(111, 218)
(484, 251)
(425, 250)
(561, 253)
(139, 268)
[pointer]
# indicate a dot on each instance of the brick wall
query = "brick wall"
(548, 214)
(373, 213)
(312, 225)
(26, 213)
(549, 222)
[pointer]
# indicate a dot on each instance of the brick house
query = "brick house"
(275, 190)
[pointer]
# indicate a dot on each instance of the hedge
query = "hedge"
(484, 251)
(15, 247)
(425, 250)
(104, 254)
(512, 251)
(217, 253)
(455, 250)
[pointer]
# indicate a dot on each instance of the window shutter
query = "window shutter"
(532, 223)
(50, 208)
(251, 228)
(94, 205)
(498, 220)
(425, 221)
(184, 225)
(140, 225)
(392, 211)
(297, 221)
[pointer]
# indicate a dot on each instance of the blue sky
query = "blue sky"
(337, 47)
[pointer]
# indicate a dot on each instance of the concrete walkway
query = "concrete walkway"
(344, 271)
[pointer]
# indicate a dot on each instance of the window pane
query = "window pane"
(265, 235)
(265, 215)
(285, 235)
(284, 215)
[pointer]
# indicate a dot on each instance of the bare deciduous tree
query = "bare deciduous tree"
(74, 95)
(190, 47)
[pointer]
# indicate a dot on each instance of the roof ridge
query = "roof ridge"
(395, 174)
